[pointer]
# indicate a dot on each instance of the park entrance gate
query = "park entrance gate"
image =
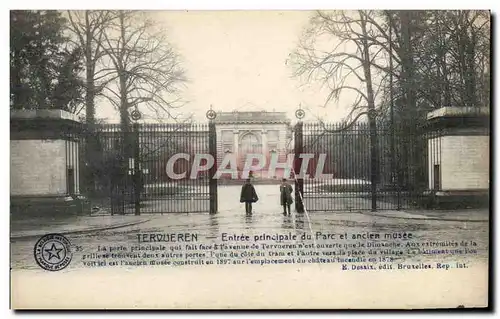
(370, 169)
(126, 170)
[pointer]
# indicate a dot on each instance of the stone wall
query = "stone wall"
(459, 149)
(44, 162)
(37, 167)
(465, 162)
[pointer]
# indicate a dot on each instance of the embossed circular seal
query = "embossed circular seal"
(53, 252)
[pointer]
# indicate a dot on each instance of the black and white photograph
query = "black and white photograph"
(250, 159)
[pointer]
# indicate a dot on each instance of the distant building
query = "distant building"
(259, 132)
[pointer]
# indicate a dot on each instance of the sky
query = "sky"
(237, 60)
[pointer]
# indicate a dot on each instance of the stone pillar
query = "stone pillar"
(236, 134)
(45, 162)
(458, 155)
(265, 153)
(264, 143)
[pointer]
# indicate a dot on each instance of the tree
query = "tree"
(450, 52)
(88, 28)
(146, 70)
(352, 59)
(44, 71)
(433, 58)
(129, 63)
(453, 53)
(442, 60)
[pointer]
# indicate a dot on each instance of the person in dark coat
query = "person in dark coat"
(248, 196)
(286, 198)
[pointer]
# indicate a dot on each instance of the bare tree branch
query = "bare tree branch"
(335, 68)
(88, 27)
(147, 70)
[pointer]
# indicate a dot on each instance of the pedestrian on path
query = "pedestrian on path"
(286, 199)
(248, 196)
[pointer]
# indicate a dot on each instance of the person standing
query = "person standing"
(286, 198)
(248, 196)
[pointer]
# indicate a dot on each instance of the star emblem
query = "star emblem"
(54, 252)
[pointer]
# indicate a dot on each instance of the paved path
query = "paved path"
(229, 199)
(267, 214)
(29, 228)
(466, 215)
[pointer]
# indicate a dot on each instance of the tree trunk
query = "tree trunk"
(410, 111)
(471, 63)
(125, 122)
(445, 82)
(90, 141)
(371, 114)
(16, 85)
(90, 68)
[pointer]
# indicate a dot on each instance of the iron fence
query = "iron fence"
(340, 174)
(126, 171)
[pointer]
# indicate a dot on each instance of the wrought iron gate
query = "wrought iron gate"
(129, 169)
(354, 177)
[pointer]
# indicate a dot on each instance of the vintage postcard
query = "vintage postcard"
(249, 159)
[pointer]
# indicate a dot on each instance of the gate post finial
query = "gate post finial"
(211, 114)
(299, 113)
(135, 115)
